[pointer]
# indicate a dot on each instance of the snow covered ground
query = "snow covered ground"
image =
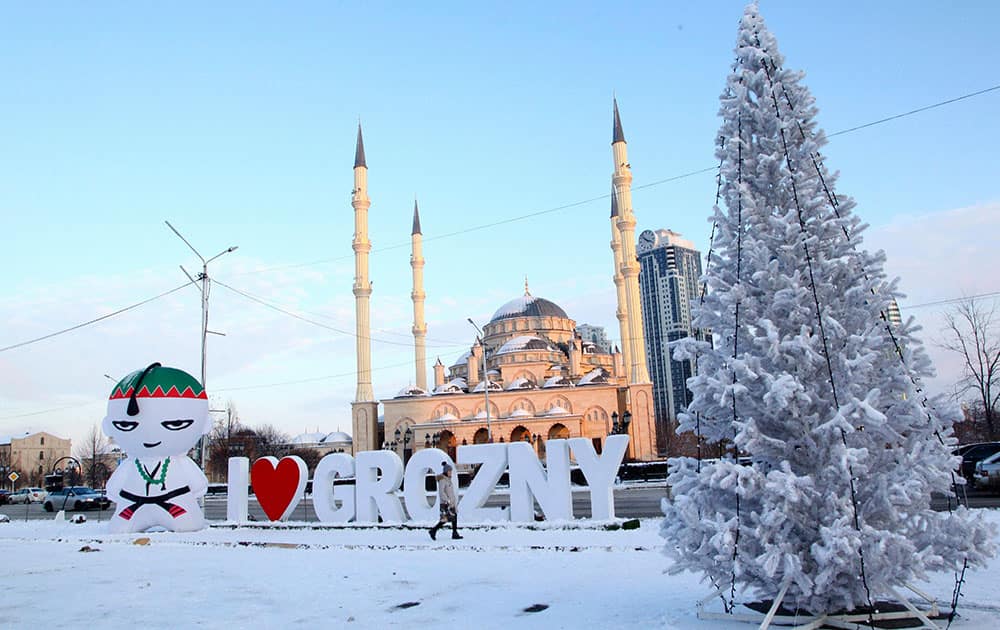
(357, 577)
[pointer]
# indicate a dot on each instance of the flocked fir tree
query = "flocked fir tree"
(806, 380)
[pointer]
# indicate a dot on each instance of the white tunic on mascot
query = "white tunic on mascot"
(156, 416)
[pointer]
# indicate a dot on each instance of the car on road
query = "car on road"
(76, 498)
(988, 472)
(3, 497)
(28, 495)
(972, 454)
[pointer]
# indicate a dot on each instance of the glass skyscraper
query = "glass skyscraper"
(668, 286)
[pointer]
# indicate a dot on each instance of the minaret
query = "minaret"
(364, 409)
(616, 248)
(418, 295)
(635, 343)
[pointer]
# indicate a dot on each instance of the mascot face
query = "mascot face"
(157, 412)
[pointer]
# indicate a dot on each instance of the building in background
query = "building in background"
(542, 381)
(668, 283)
(595, 335)
(32, 456)
(893, 315)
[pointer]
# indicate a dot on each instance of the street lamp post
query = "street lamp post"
(204, 314)
(620, 428)
(486, 379)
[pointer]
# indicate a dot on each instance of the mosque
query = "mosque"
(529, 377)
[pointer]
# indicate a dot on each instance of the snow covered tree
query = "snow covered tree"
(806, 379)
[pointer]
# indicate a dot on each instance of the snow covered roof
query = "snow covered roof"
(520, 383)
(447, 417)
(524, 342)
(307, 438)
(557, 381)
(454, 386)
(529, 306)
(556, 410)
(411, 390)
(337, 436)
(597, 376)
(4, 439)
(520, 413)
(494, 386)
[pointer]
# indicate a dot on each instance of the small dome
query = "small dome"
(525, 342)
(447, 417)
(454, 386)
(494, 386)
(337, 436)
(557, 381)
(520, 413)
(556, 411)
(520, 383)
(529, 306)
(412, 390)
(307, 438)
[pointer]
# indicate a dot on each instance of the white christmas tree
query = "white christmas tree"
(807, 379)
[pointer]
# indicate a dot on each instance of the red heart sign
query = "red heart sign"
(278, 484)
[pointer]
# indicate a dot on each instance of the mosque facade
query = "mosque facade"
(530, 376)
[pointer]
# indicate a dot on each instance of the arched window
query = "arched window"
(558, 431)
(520, 434)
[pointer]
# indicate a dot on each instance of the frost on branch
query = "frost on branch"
(805, 379)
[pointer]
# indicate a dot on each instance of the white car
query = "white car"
(27, 495)
(987, 472)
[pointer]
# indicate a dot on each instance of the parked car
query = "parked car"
(28, 495)
(988, 472)
(972, 454)
(3, 497)
(76, 498)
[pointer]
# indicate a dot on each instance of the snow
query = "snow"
(308, 438)
(524, 342)
(557, 381)
(520, 383)
(304, 575)
(594, 377)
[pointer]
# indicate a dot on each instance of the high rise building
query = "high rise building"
(668, 282)
(595, 335)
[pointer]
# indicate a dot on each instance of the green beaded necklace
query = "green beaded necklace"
(149, 480)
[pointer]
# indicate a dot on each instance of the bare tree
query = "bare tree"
(973, 331)
(270, 440)
(92, 453)
(225, 441)
(309, 455)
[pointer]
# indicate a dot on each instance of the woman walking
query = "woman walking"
(449, 504)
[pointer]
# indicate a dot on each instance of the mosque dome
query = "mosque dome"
(529, 306)
(337, 436)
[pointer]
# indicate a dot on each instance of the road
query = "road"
(637, 501)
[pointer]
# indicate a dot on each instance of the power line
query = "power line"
(952, 300)
(348, 333)
(915, 111)
(92, 321)
(310, 380)
(44, 411)
(658, 182)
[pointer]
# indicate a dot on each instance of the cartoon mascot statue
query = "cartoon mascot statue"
(156, 416)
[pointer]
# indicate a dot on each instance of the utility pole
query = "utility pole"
(205, 287)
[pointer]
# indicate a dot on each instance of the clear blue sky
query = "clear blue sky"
(236, 122)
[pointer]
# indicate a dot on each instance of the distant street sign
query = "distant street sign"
(13, 476)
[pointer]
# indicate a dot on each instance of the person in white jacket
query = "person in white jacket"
(448, 503)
